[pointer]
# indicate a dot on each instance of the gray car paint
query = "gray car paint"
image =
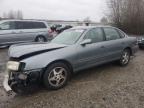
(8, 37)
(79, 56)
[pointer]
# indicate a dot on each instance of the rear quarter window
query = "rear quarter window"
(38, 25)
(111, 33)
(121, 33)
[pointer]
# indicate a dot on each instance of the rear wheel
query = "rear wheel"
(56, 76)
(40, 39)
(125, 57)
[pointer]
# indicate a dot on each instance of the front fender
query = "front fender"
(37, 62)
(42, 60)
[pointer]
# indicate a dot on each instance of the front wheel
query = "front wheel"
(125, 57)
(56, 76)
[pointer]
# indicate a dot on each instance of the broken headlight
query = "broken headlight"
(15, 66)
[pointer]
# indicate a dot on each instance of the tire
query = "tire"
(40, 39)
(56, 76)
(125, 58)
(140, 47)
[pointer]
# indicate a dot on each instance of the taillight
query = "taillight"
(49, 31)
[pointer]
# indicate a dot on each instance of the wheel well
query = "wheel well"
(128, 48)
(61, 61)
(40, 36)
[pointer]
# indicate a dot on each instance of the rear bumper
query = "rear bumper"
(141, 44)
(134, 49)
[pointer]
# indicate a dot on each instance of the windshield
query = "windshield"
(68, 37)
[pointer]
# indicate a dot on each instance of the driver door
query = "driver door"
(91, 54)
(7, 32)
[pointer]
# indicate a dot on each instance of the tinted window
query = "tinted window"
(96, 35)
(111, 34)
(23, 25)
(29, 25)
(7, 26)
(39, 25)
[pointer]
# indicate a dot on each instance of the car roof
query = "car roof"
(90, 27)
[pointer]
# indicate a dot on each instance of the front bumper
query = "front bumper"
(12, 78)
(5, 83)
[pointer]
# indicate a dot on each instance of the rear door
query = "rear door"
(25, 31)
(114, 43)
(30, 29)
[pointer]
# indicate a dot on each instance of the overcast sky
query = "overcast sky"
(56, 9)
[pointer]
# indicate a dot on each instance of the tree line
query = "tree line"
(127, 15)
(13, 15)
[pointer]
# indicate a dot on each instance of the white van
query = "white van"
(17, 31)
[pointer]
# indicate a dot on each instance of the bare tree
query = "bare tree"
(127, 15)
(4, 15)
(19, 14)
(104, 20)
(13, 14)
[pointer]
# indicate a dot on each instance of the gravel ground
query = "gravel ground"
(106, 86)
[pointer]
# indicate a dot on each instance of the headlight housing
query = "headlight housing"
(15, 66)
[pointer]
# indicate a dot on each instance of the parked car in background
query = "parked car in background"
(141, 42)
(61, 29)
(17, 31)
(54, 27)
(57, 28)
(73, 50)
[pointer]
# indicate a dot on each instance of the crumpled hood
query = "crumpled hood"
(21, 50)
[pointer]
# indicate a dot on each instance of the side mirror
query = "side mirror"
(86, 41)
(0, 28)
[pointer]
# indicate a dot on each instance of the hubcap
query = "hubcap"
(40, 39)
(57, 76)
(125, 57)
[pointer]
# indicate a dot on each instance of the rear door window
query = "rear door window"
(111, 34)
(38, 25)
(19, 25)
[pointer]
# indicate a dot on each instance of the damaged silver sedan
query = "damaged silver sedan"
(71, 51)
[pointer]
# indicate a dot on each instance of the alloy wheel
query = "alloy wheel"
(57, 76)
(40, 39)
(125, 57)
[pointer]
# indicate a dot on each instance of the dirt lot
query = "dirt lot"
(107, 86)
